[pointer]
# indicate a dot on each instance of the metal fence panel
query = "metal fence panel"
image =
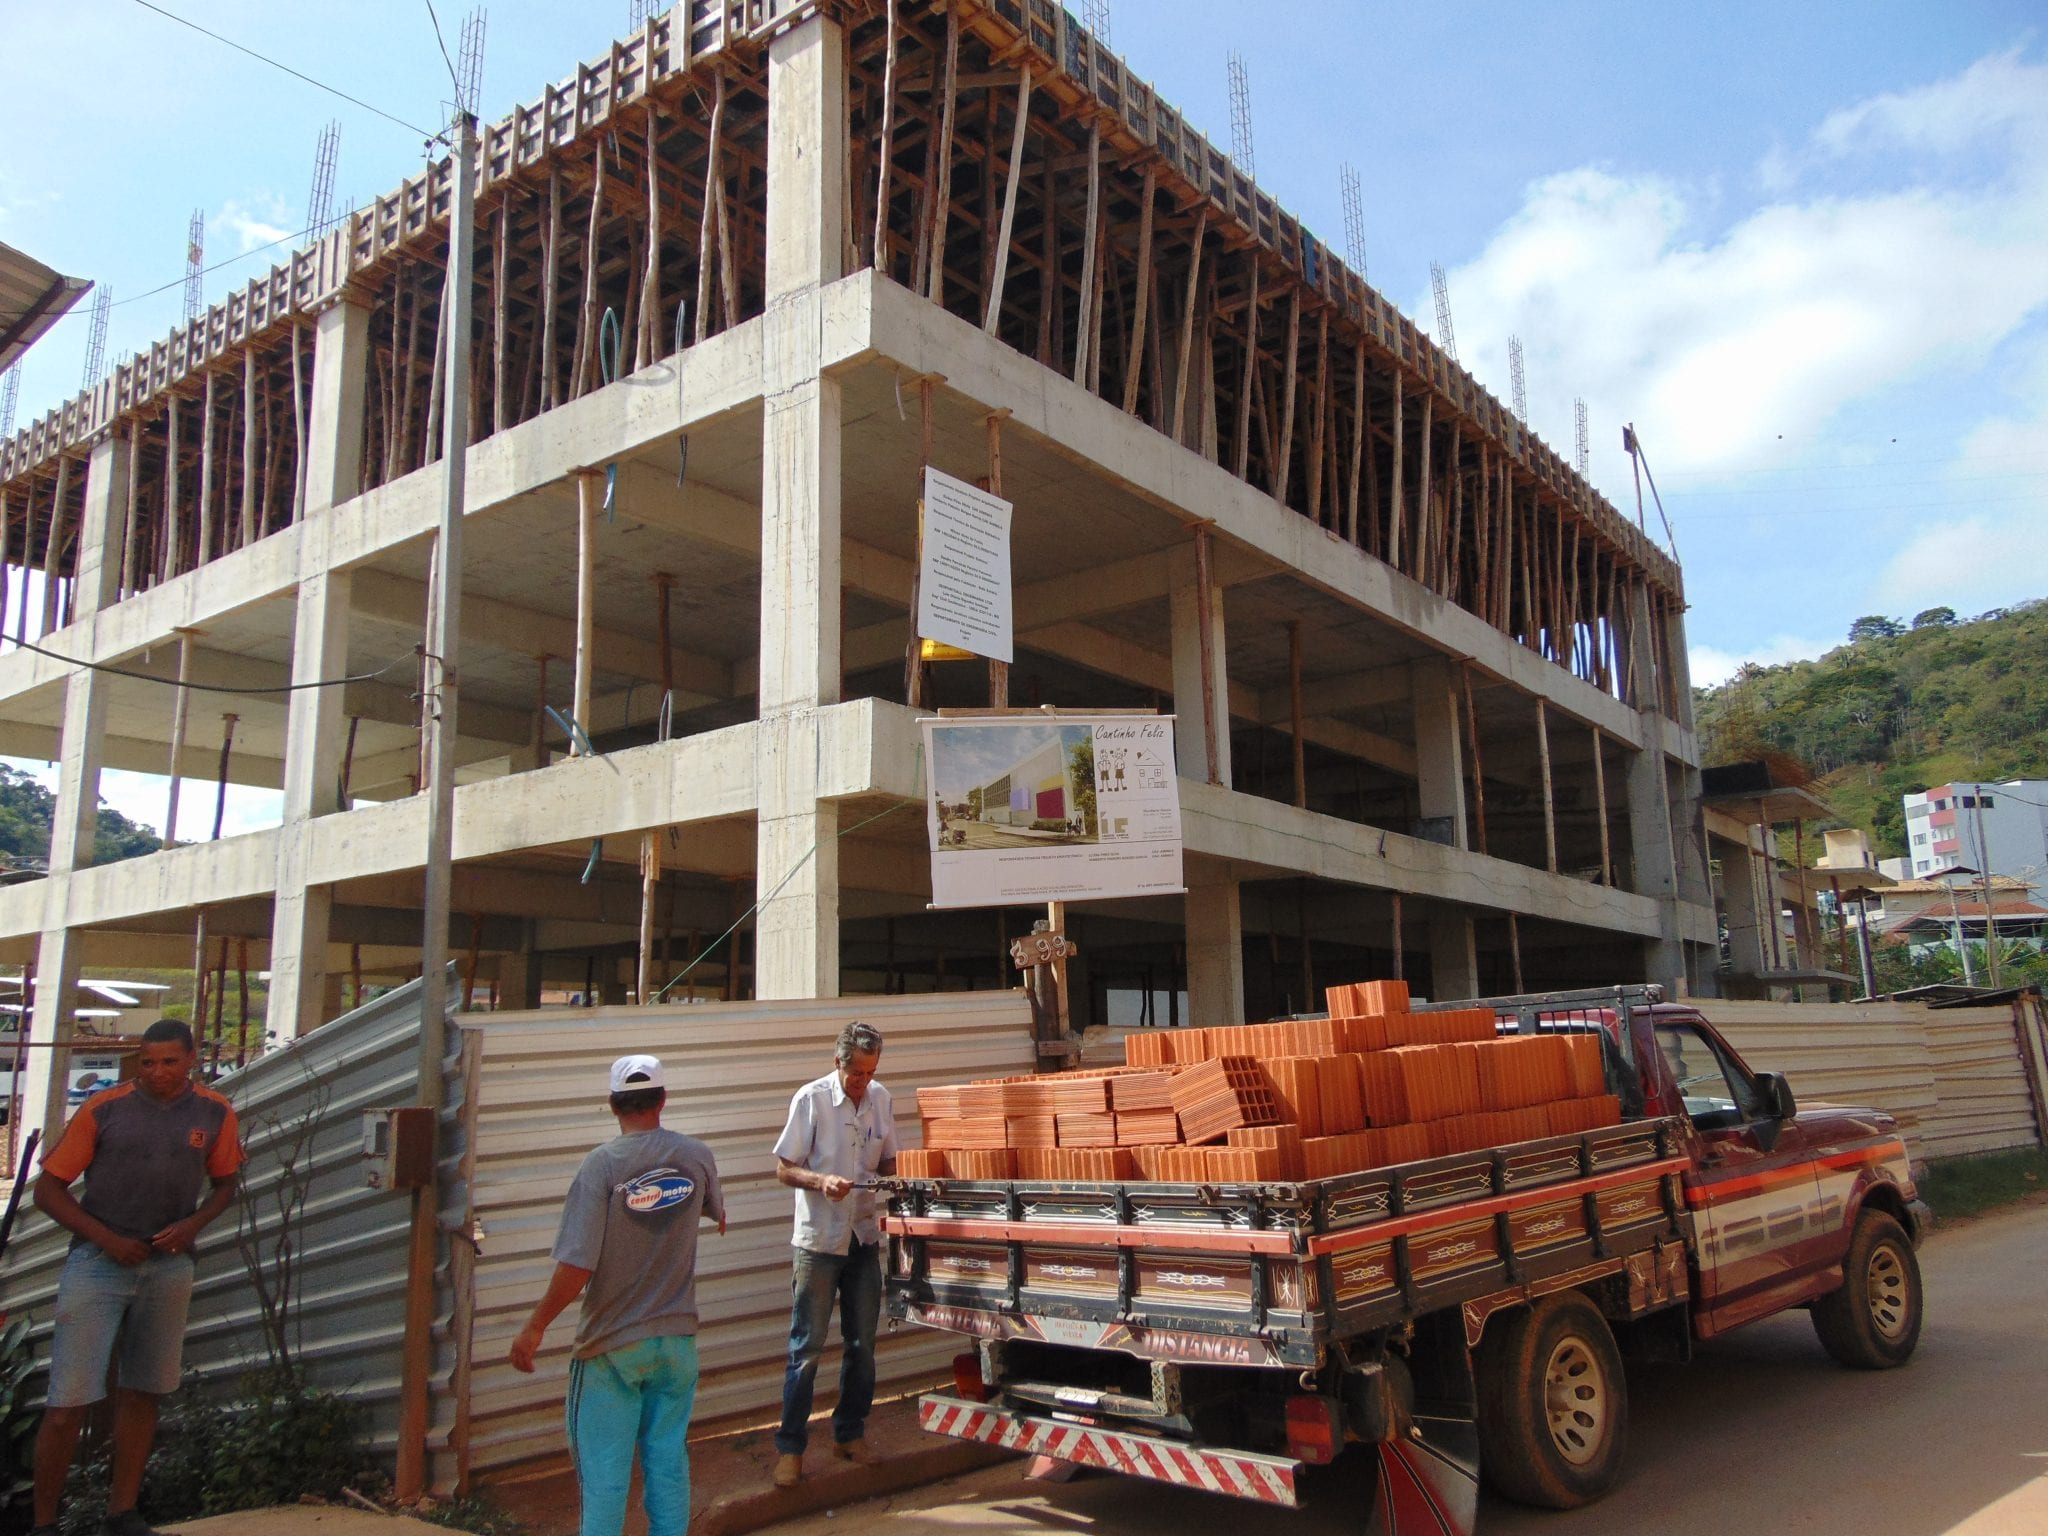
(731, 1070)
(352, 1238)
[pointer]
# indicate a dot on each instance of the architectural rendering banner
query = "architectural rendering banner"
(1032, 808)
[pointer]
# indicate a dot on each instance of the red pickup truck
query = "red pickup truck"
(1464, 1315)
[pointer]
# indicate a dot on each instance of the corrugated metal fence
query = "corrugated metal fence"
(1960, 1080)
(352, 1238)
(538, 1080)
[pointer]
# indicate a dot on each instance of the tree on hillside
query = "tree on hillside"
(27, 810)
(1875, 626)
(1926, 617)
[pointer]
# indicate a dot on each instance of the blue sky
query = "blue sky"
(1804, 248)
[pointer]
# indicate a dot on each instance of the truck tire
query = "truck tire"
(1871, 1322)
(1553, 1405)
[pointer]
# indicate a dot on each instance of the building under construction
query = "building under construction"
(736, 283)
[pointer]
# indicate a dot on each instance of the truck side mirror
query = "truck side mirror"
(1777, 1096)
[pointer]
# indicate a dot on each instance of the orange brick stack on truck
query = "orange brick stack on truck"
(1371, 1084)
(1428, 1230)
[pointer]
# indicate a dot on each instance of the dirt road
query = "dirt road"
(1760, 1432)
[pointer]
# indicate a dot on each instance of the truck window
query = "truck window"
(1715, 1091)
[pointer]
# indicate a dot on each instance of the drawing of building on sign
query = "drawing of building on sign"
(1041, 789)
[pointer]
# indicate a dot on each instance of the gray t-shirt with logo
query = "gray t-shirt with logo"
(631, 1219)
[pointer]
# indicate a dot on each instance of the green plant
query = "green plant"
(1970, 1186)
(18, 1417)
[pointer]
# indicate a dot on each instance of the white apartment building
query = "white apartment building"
(2001, 829)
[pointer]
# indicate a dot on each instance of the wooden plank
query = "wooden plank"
(1012, 181)
(714, 179)
(942, 200)
(1132, 368)
(1084, 325)
(878, 250)
(1187, 329)
(1283, 471)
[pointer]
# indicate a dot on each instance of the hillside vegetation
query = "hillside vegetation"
(1903, 706)
(27, 809)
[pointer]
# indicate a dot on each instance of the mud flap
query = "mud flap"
(1428, 1475)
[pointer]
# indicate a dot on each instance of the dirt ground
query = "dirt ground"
(304, 1520)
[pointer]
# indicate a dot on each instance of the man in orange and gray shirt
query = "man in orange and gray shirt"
(147, 1150)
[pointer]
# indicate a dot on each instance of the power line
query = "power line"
(263, 58)
(172, 682)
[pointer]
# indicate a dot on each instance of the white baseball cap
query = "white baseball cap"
(632, 1073)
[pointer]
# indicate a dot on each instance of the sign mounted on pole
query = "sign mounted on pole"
(963, 588)
(1036, 808)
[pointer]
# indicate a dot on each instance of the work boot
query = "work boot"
(789, 1471)
(855, 1451)
(126, 1523)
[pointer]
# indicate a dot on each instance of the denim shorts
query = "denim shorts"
(133, 1314)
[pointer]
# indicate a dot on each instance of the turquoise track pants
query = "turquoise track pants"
(638, 1395)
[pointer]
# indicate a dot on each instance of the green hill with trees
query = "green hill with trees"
(27, 809)
(1904, 705)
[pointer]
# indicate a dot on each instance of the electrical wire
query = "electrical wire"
(172, 682)
(809, 854)
(454, 79)
(296, 74)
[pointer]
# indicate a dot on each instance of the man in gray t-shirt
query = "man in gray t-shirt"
(628, 1246)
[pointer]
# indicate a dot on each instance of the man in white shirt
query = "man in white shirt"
(840, 1135)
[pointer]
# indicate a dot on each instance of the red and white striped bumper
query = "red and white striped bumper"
(1241, 1474)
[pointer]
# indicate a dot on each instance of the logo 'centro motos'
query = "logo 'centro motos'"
(658, 1189)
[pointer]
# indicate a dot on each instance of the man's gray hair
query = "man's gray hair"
(857, 1039)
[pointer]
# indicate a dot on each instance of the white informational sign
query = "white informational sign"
(963, 583)
(1052, 808)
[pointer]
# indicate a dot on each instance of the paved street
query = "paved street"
(1762, 1431)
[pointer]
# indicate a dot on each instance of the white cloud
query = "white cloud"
(267, 220)
(1721, 345)
(1712, 666)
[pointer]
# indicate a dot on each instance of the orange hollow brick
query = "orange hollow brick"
(1087, 1130)
(920, 1163)
(1147, 1127)
(1139, 1091)
(1146, 1048)
(1295, 1085)
(946, 1133)
(1339, 1095)
(998, 1163)
(1285, 1141)
(1588, 1071)
(1030, 1131)
(1187, 1046)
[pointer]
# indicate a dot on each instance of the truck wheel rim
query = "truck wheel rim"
(1575, 1401)
(1884, 1283)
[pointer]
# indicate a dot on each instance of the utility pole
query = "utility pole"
(441, 687)
(1955, 917)
(1984, 864)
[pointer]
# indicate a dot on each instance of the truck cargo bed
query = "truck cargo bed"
(1272, 1274)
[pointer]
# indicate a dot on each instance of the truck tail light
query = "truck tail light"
(967, 1378)
(1314, 1432)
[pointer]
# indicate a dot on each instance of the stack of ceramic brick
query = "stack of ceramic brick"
(1368, 1087)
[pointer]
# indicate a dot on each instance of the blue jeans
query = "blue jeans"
(855, 1280)
(637, 1395)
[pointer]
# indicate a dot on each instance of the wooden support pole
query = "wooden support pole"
(651, 334)
(355, 976)
(1014, 178)
(998, 671)
(1308, 963)
(650, 890)
(1600, 807)
(1187, 327)
(1478, 764)
(1283, 469)
(913, 650)
(1396, 516)
(220, 783)
(550, 365)
(1205, 592)
(242, 1000)
(588, 493)
(1133, 359)
(586, 324)
(1360, 423)
(942, 199)
(202, 550)
(501, 241)
(249, 529)
(1549, 799)
(202, 971)
(53, 546)
(540, 713)
(1425, 511)
(879, 252)
(1319, 429)
(1517, 985)
(1242, 448)
(469, 964)
(664, 590)
(348, 758)
(1400, 941)
(1083, 325)
(1294, 712)
(179, 711)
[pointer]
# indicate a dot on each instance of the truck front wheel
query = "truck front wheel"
(1553, 1405)
(1872, 1320)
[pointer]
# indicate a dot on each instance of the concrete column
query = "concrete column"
(76, 814)
(316, 721)
(1650, 814)
(1453, 957)
(796, 846)
(334, 426)
(1436, 691)
(1190, 753)
(1215, 939)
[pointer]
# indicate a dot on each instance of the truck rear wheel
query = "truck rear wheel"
(1553, 1404)
(1871, 1322)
